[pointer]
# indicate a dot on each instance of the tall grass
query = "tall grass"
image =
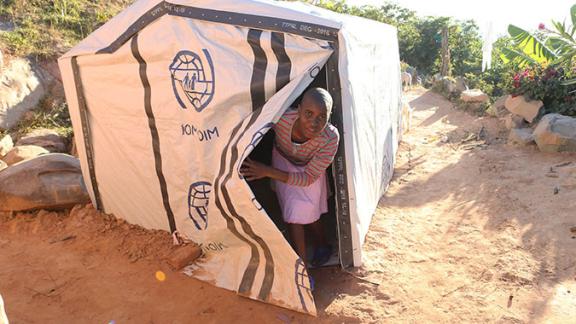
(44, 29)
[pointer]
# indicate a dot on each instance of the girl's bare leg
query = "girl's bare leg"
(299, 240)
(318, 233)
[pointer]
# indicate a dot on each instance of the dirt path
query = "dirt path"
(470, 230)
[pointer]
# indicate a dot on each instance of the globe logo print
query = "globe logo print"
(198, 198)
(192, 83)
(302, 282)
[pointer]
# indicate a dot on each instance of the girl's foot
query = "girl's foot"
(312, 282)
(321, 255)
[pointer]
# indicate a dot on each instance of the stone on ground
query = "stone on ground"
(46, 138)
(20, 90)
(514, 121)
(461, 84)
(449, 84)
(520, 106)
(556, 133)
(183, 256)
(24, 152)
(49, 181)
(521, 136)
(6, 144)
(474, 95)
(498, 108)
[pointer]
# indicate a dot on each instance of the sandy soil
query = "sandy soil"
(470, 230)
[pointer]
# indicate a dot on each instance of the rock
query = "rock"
(49, 181)
(6, 145)
(498, 109)
(474, 95)
(520, 136)
(449, 84)
(556, 133)
(46, 138)
(20, 91)
(461, 84)
(183, 256)
(514, 121)
(25, 152)
(3, 165)
(527, 109)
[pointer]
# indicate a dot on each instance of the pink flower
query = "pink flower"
(541, 26)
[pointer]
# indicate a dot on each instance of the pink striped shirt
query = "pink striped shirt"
(315, 154)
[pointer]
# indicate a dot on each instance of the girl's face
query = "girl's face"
(313, 118)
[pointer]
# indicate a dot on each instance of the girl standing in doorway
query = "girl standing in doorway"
(305, 145)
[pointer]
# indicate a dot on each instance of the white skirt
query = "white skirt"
(300, 205)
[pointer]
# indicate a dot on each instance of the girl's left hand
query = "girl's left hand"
(253, 170)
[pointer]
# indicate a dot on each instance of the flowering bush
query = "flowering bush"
(544, 83)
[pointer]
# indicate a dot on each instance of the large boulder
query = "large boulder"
(25, 152)
(6, 144)
(49, 181)
(3, 165)
(474, 95)
(20, 90)
(520, 106)
(46, 138)
(556, 133)
(521, 136)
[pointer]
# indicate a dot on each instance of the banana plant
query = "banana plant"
(555, 47)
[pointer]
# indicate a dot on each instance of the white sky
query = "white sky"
(524, 13)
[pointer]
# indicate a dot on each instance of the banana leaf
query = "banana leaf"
(531, 45)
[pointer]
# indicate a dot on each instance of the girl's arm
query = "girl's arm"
(253, 170)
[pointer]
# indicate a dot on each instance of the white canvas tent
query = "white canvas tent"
(168, 98)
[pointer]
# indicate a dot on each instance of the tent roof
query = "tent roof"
(284, 13)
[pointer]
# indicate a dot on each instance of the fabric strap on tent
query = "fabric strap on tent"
(284, 63)
(220, 189)
(86, 132)
(153, 132)
(225, 17)
(339, 166)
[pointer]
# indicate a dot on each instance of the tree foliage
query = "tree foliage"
(419, 38)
